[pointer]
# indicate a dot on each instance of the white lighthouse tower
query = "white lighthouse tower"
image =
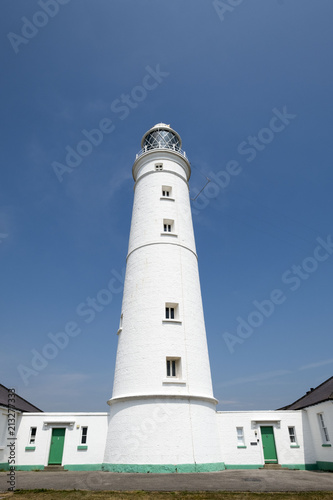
(162, 415)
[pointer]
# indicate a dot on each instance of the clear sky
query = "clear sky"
(249, 89)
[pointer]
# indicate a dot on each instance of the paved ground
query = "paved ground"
(228, 480)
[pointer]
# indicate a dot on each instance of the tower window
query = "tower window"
(33, 432)
(168, 226)
(166, 191)
(84, 432)
(173, 367)
(171, 311)
(158, 166)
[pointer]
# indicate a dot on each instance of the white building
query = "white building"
(162, 375)
(316, 407)
(162, 411)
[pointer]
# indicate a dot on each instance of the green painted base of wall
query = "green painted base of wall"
(285, 466)
(300, 466)
(83, 467)
(29, 467)
(325, 466)
(5, 467)
(163, 468)
(168, 468)
(241, 466)
(79, 467)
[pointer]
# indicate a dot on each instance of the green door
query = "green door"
(57, 446)
(268, 444)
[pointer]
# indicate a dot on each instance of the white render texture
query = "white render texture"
(97, 424)
(162, 268)
(35, 455)
(162, 431)
(141, 427)
(322, 453)
(251, 421)
(4, 433)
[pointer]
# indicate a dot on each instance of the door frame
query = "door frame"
(275, 461)
(50, 443)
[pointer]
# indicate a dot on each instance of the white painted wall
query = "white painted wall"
(162, 268)
(322, 453)
(162, 431)
(4, 450)
(146, 340)
(153, 431)
(97, 428)
(3, 434)
(253, 454)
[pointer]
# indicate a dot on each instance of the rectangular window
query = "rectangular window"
(323, 428)
(33, 432)
(292, 435)
(84, 432)
(166, 191)
(159, 166)
(171, 311)
(240, 436)
(173, 367)
(168, 226)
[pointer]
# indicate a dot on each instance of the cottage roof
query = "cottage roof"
(324, 392)
(19, 403)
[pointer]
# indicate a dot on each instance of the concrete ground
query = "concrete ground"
(228, 480)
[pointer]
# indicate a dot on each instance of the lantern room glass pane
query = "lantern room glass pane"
(161, 139)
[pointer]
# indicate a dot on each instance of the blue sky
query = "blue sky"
(225, 77)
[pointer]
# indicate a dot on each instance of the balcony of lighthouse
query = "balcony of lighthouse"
(174, 148)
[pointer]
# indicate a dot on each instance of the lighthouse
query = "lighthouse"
(162, 410)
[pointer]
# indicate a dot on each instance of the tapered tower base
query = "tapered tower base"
(158, 434)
